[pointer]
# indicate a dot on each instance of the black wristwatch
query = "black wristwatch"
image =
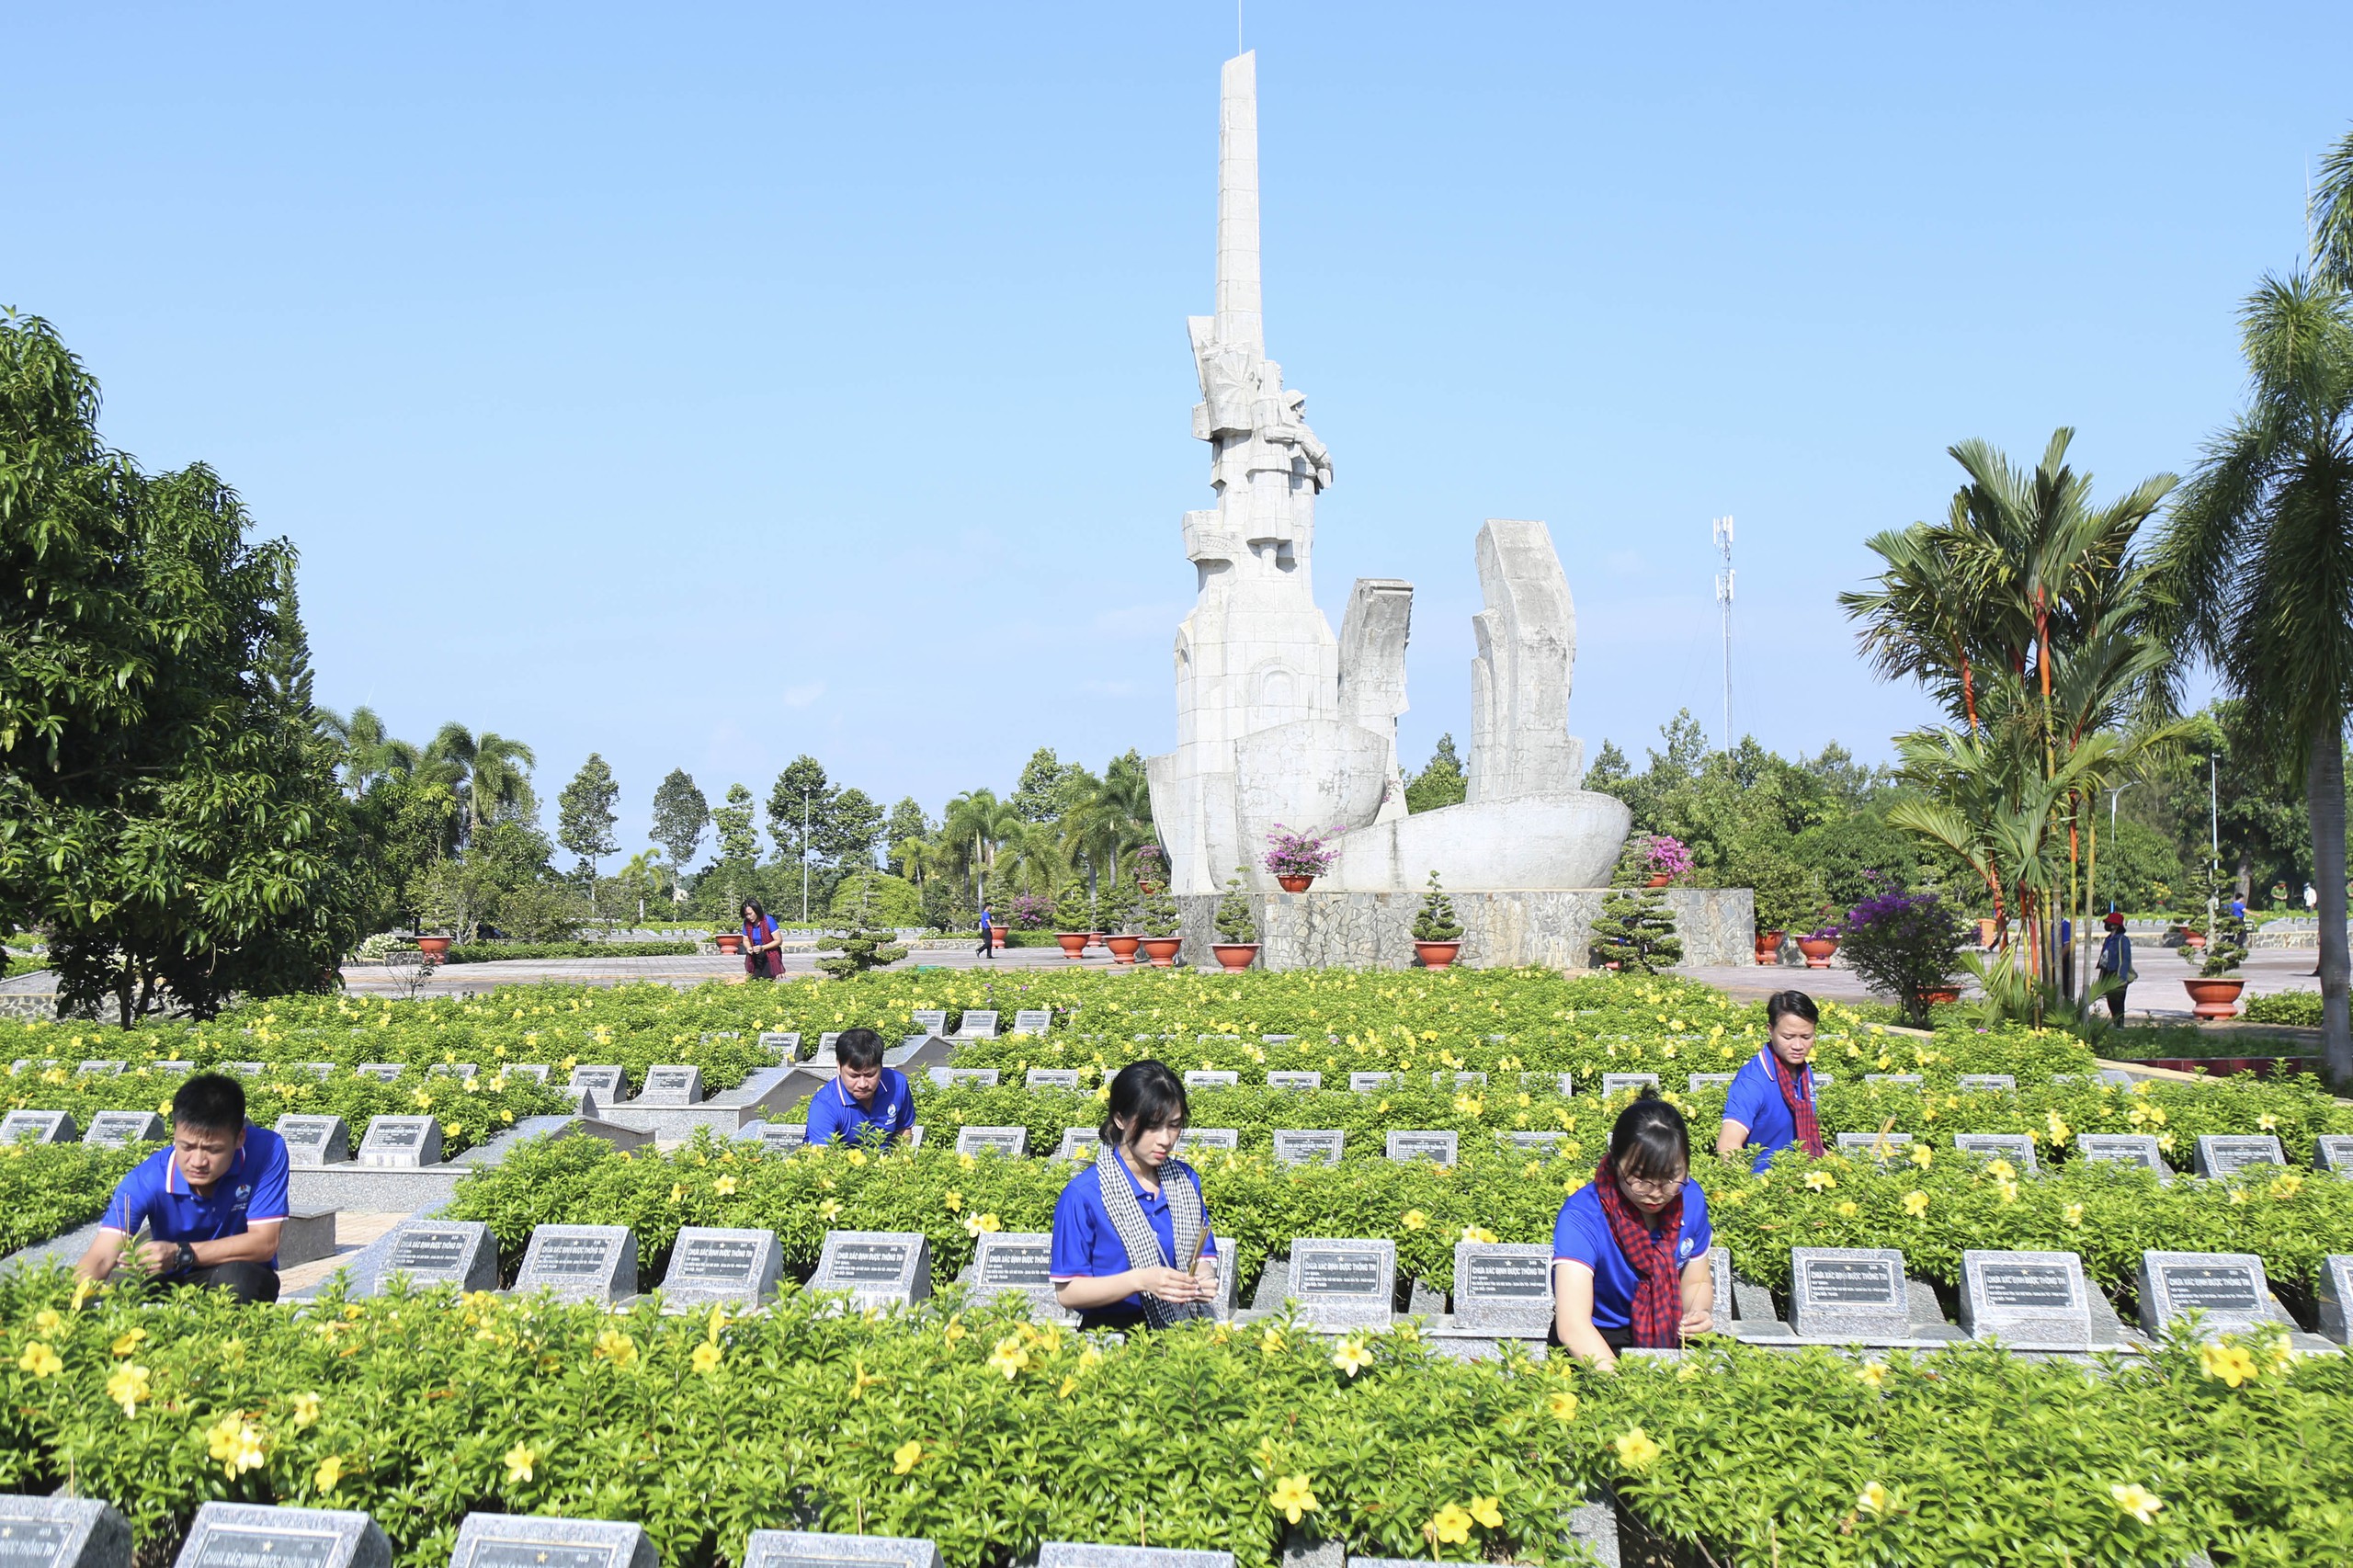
(187, 1258)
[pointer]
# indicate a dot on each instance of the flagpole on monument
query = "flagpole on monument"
(1723, 526)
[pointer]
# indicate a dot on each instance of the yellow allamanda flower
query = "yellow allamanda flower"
(1352, 1357)
(617, 1347)
(1636, 1450)
(41, 1361)
(328, 1476)
(706, 1358)
(906, 1457)
(519, 1461)
(1915, 1203)
(128, 1388)
(1873, 1373)
(2231, 1363)
(1293, 1497)
(1009, 1357)
(306, 1409)
(1450, 1526)
(1873, 1499)
(2137, 1501)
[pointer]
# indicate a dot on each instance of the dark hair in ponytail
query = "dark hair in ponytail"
(1144, 1094)
(1789, 1004)
(1650, 1139)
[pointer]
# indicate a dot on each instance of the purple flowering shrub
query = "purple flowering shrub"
(1905, 945)
(1308, 854)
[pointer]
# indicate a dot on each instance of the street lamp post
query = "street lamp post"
(804, 855)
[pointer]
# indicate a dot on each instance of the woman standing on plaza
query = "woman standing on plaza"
(1629, 1248)
(763, 943)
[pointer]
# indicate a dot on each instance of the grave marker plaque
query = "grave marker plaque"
(825, 1041)
(120, 1128)
(2015, 1147)
(1880, 1146)
(1033, 1020)
(1823, 1079)
(878, 1268)
(1300, 1083)
(778, 1136)
(536, 1541)
(711, 1264)
(932, 1020)
(1277, 1039)
(804, 1549)
(782, 1045)
(1369, 1083)
(1544, 1144)
(1991, 1082)
(38, 1127)
(1403, 1146)
(1342, 1284)
(1853, 1294)
(580, 1263)
(535, 1071)
(1911, 1080)
(2228, 1286)
(1696, 1082)
(1050, 1078)
(977, 1077)
(2335, 1295)
(1459, 1080)
(1010, 1142)
(2219, 1156)
(1309, 1146)
(2025, 1297)
(672, 1083)
(1561, 1084)
(245, 1069)
(2136, 1149)
(401, 1143)
(176, 1064)
(454, 1069)
(2333, 1151)
(1505, 1286)
(314, 1140)
(1211, 1078)
(1194, 1140)
(978, 1023)
(608, 1085)
(382, 1072)
(240, 1535)
(1078, 1143)
(1078, 1554)
(1613, 1081)
(108, 1067)
(62, 1533)
(439, 1252)
(322, 1071)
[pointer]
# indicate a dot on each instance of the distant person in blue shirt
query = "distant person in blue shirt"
(212, 1203)
(1132, 1246)
(2116, 964)
(1629, 1248)
(1770, 1105)
(988, 923)
(866, 1102)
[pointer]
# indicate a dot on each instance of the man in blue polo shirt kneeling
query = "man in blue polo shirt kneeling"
(212, 1203)
(866, 1101)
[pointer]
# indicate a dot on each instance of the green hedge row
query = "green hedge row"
(991, 1436)
(2298, 1007)
(494, 952)
(46, 1190)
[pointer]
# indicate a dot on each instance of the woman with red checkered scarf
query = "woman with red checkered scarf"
(1630, 1249)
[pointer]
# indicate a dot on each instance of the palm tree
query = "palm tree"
(370, 753)
(490, 774)
(2259, 556)
(1113, 820)
(976, 824)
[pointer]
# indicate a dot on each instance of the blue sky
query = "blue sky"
(705, 385)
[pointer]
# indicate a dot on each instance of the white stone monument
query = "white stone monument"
(1281, 724)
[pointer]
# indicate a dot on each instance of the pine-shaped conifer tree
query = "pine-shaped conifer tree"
(862, 948)
(1635, 932)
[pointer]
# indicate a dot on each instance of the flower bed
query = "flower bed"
(49, 1188)
(989, 1436)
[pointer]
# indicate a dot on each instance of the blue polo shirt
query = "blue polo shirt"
(1582, 1234)
(156, 1194)
(834, 1114)
(1087, 1245)
(1754, 1101)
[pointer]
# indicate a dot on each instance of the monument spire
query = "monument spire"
(1239, 323)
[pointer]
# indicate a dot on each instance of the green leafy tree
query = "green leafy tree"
(1436, 922)
(1041, 793)
(905, 826)
(1073, 908)
(169, 810)
(585, 813)
(977, 825)
(370, 753)
(738, 841)
(1115, 907)
(1635, 931)
(1107, 820)
(2225, 933)
(490, 774)
(1441, 781)
(1157, 915)
(853, 823)
(681, 816)
(877, 897)
(2259, 556)
(800, 806)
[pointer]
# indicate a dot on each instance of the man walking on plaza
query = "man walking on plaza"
(987, 933)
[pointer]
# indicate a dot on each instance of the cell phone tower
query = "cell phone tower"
(1723, 526)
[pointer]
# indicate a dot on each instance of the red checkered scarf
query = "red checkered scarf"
(1801, 1104)
(1656, 1315)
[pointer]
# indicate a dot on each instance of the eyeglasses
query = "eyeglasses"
(1668, 1184)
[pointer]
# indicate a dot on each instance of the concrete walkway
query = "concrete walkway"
(2156, 997)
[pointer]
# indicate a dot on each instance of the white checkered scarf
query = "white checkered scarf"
(1186, 1218)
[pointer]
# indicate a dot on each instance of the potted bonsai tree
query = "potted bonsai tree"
(2215, 992)
(1118, 913)
(1073, 920)
(1237, 927)
(1634, 933)
(1438, 935)
(1296, 860)
(1161, 932)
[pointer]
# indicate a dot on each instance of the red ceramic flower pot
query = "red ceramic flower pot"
(1660, 879)
(1934, 994)
(996, 937)
(1235, 957)
(1769, 947)
(1123, 948)
(1161, 951)
(1294, 883)
(2216, 998)
(730, 942)
(434, 949)
(1072, 943)
(1817, 950)
(1437, 955)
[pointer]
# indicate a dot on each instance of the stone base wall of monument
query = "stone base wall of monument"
(1375, 930)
